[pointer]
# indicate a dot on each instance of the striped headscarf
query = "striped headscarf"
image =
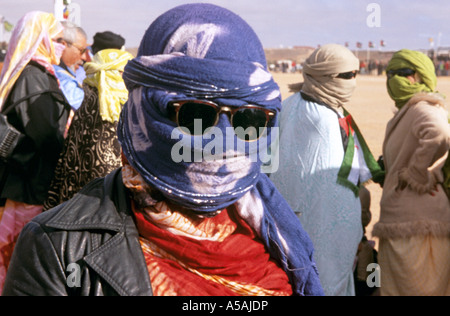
(30, 40)
(105, 74)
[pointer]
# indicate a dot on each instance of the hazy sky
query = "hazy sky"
(279, 23)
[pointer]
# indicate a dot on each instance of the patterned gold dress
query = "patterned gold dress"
(91, 151)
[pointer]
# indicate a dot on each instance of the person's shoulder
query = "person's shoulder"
(35, 70)
(293, 99)
(35, 78)
(428, 107)
(433, 100)
(292, 103)
(88, 198)
(96, 206)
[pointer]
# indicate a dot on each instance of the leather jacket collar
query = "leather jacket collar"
(106, 208)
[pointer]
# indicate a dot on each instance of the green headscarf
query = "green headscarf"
(400, 88)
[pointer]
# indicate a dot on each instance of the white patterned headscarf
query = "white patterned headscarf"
(30, 40)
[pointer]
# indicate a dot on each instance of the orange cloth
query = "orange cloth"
(224, 257)
(13, 217)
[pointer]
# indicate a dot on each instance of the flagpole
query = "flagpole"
(2, 29)
(58, 10)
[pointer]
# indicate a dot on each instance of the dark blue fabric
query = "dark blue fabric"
(207, 52)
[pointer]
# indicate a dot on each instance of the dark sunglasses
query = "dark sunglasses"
(404, 72)
(348, 75)
(252, 119)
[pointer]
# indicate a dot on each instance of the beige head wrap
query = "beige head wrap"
(321, 69)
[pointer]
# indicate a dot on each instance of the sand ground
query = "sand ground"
(371, 108)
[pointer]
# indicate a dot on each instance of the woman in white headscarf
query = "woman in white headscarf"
(30, 95)
(323, 162)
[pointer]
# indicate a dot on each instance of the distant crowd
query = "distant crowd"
(372, 67)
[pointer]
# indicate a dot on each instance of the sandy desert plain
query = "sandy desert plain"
(371, 108)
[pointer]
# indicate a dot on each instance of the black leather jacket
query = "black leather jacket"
(88, 246)
(42, 118)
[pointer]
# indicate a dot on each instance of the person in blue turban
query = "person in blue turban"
(190, 212)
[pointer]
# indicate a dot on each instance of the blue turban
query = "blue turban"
(202, 51)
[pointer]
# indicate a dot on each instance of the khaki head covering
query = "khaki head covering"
(400, 88)
(320, 72)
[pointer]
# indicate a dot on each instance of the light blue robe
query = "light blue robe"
(72, 89)
(311, 153)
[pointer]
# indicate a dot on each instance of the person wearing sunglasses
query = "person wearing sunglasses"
(324, 160)
(190, 228)
(414, 224)
(74, 55)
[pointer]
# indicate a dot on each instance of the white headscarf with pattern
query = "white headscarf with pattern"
(30, 40)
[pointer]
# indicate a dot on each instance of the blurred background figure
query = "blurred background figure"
(41, 115)
(366, 253)
(92, 149)
(2, 59)
(105, 40)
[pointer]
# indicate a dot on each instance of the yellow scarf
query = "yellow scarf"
(105, 74)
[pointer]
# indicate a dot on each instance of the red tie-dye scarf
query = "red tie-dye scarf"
(191, 256)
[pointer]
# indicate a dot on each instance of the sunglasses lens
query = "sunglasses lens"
(249, 124)
(404, 72)
(197, 117)
(348, 75)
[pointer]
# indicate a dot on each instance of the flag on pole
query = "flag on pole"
(371, 45)
(7, 26)
(359, 45)
(431, 40)
(66, 13)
